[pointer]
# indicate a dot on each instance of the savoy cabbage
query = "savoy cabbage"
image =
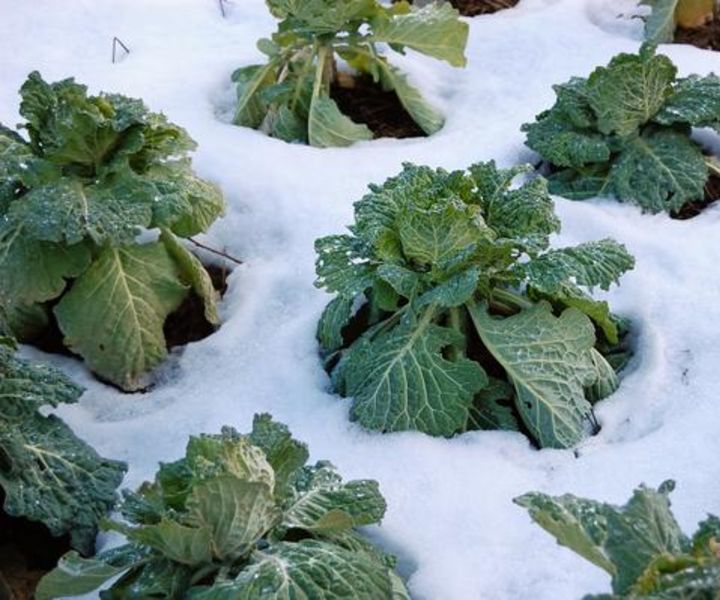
(451, 313)
(94, 172)
(640, 545)
(242, 517)
(288, 97)
(626, 132)
(47, 474)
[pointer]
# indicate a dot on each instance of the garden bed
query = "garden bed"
(450, 517)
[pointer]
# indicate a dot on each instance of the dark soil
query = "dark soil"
(706, 37)
(364, 101)
(472, 8)
(27, 552)
(188, 324)
(693, 209)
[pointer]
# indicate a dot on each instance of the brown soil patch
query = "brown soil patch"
(706, 37)
(693, 209)
(27, 552)
(364, 101)
(472, 8)
(188, 324)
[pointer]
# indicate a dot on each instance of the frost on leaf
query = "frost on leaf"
(406, 336)
(95, 172)
(640, 545)
(626, 132)
(241, 516)
(289, 96)
(49, 475)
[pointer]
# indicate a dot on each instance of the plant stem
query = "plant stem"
(457, 323)
(218, 252)
(319, 70)
(713, 164)
(510, 298)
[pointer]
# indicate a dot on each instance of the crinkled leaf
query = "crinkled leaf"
(158, 578)
(622, 540)
(434, 236)
(576, 523)
(187, 545)
(563, 144)
(113, 316)
(52, 264)
(68, 212)
(75, 575)
(695, 101)
(591, 264)
(334, 318)
(660, 171)
(322, 16)
(548, 361)
(285, 454)
(307, 569)
(630, 90)
(492, 408)
(582, 183)
(525, 214)
(25, 387)
(182, 202)
(435, 30)
(340, 266)
(327, 126)
(400, 380)
(49, 475)
(326, 505)
(454, 291)
(212, 456)
(236, 512)
(194, 275)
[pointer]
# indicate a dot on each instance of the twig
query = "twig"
(218, 252)
(221, 3)
(115, 43)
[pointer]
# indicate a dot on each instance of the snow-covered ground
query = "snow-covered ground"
(450, 519)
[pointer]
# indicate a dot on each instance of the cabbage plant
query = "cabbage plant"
(93, 173)
(48, 474)
(625, 132)
(640, 545)
(288, 97)
(452, 313)
(244, 517)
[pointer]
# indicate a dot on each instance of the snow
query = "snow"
(450, 519)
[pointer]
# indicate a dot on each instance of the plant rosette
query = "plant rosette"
(640, 545)
(288, 97)
(451, 313)
(241, 516)
(625, 132)
(47, 474)
(96, 172)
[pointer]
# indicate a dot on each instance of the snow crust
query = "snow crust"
(450, 519)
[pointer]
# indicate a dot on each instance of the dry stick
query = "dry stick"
(117, 41)
(218, 252)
